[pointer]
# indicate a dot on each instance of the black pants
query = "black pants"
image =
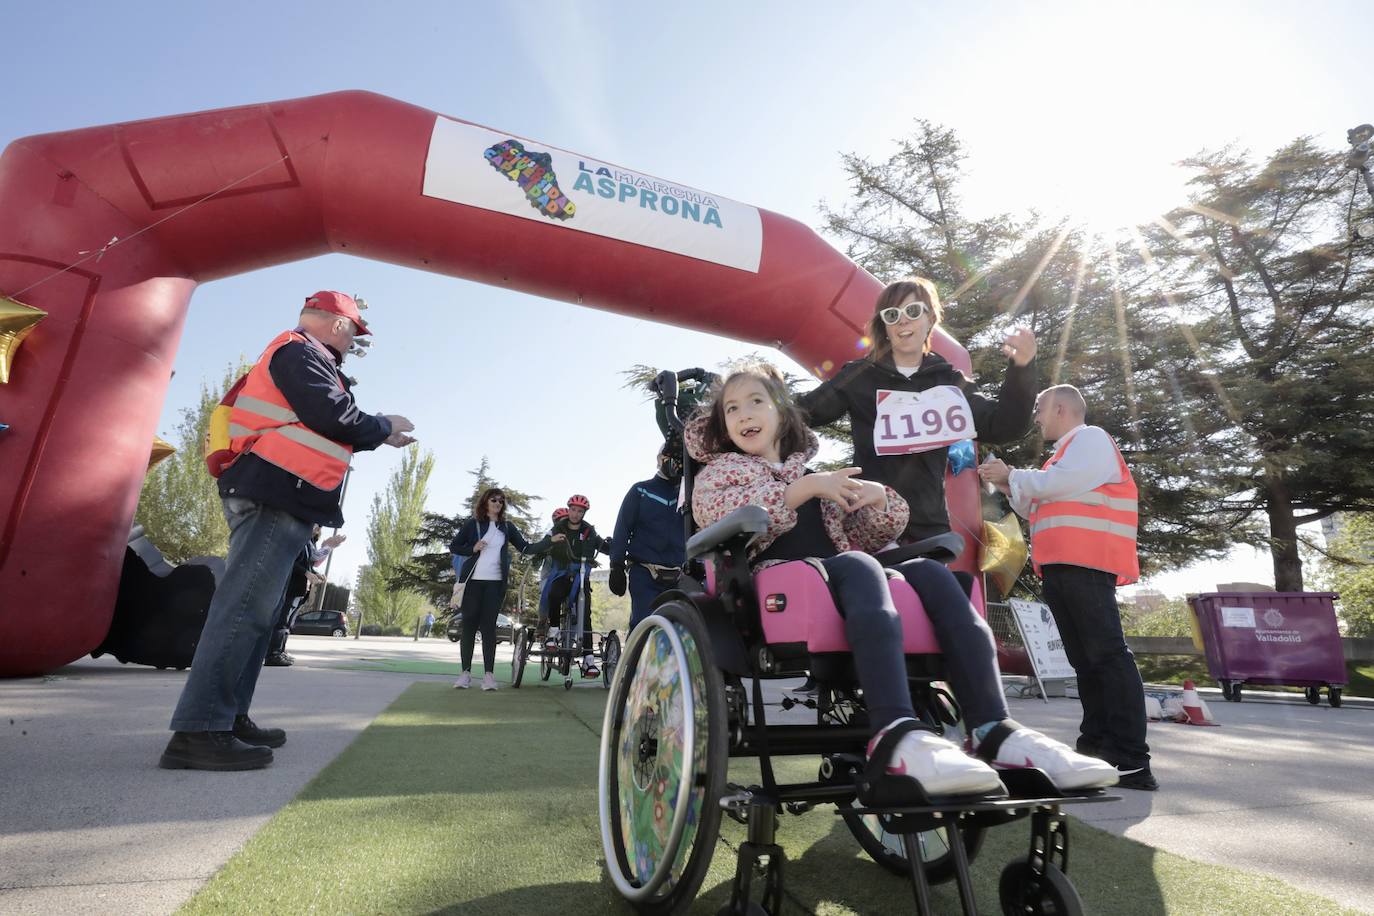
(481, 603)
(966, 641)
(1083, 602)
(561, 598)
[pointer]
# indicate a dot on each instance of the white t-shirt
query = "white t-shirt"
(908, 371)
(489, 559)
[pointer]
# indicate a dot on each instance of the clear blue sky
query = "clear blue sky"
(1062, 107)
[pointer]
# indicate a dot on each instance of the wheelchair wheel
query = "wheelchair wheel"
(663, 762)
(610, 658)
(1055, 895)
(886, 848)
(520, 654)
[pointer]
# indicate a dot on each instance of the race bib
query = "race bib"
(918, 421)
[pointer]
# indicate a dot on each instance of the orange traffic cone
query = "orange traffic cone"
(1192, 706)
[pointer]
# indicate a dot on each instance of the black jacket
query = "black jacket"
(308, 379)
(580, 544)
(919, 478)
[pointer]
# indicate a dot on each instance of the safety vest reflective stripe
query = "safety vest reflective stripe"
(1089, 524)
(1095, 530)
(265, 409)
(262, 421)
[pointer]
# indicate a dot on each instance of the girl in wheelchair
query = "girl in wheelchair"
(753, 443)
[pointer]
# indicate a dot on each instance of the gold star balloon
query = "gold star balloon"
(16, 321)
(1004, 552)
(161, 450)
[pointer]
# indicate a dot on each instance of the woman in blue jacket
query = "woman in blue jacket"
(483, 539)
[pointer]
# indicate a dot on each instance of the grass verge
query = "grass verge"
(485, 803)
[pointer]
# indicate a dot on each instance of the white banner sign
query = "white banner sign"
(481, 168)
(1043, 643)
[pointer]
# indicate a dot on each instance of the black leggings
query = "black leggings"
(481, 602)
(874, 631)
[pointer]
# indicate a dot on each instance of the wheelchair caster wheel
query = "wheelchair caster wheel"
(1020, 893)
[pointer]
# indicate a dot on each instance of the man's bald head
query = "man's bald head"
(1059, 409)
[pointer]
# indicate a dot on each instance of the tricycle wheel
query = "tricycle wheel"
(1333, 696)
(520, 653)
(1051, 895)
(610, 657)
(567, 683)
(1314, 695)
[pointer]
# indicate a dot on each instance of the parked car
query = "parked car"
(321, 623)
(504, 628)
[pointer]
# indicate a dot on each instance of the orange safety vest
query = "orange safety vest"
(1096, 530)
(262, 421)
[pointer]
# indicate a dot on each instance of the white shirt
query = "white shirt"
(1088, 463)
(488, 567)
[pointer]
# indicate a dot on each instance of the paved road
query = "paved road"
(89, 824)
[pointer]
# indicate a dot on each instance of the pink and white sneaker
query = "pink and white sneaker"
(1012, 746)
(940, 766)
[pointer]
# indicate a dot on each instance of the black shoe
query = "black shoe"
(249, 733)
(212, 751)
(278, 660)
(1136, 778)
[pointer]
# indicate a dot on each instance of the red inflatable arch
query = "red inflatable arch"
(350, 172)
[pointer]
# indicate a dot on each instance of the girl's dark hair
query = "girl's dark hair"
(792, 431)
(896, 294)
(479, 512)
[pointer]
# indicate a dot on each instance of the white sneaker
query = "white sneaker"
(940, 766)
(488, 682)
(551, 640)
(1065, 767)
(464, 681)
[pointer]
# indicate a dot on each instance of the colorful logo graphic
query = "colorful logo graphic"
(533, 172)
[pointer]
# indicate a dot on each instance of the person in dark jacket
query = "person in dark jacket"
(649, 544)
(483, 539)
(894, 446)
(906, 405)
(306, 418)
(572, 546)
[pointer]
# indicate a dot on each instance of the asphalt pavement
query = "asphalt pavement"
(90, 824)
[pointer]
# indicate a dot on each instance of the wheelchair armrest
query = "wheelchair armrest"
(945, 548)
(750, 520)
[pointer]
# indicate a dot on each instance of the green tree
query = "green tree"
(429, 569)
(1348, 568)
(396, 517)
(1270, 291)
(179, 506)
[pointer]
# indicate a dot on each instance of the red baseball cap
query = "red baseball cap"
(327, 300)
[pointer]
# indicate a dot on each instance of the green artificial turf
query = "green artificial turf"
(484, 803)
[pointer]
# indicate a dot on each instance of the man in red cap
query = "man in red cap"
(293, 428)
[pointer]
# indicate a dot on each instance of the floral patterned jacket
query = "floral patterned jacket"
(729, 480)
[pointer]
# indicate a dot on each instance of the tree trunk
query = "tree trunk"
(1283, 533)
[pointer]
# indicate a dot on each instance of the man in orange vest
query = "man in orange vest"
(293, 427)
(1082, 507)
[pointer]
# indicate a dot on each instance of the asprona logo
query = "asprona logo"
(629, 189)
(533, 172)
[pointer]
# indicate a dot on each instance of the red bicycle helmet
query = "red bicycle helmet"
(560, 512)
(578, 501)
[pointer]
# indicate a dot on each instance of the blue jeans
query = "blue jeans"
(1083, 602)
(263, 545)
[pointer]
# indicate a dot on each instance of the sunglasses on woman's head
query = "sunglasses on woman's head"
(912, 310)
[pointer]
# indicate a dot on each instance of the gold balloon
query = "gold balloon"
(1003, 553)
(161, 450)
(16, 321)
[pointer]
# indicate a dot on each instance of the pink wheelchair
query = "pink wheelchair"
(688, 696)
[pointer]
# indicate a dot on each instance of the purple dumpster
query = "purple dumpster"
(1285, 638)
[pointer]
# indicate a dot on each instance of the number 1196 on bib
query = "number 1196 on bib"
(909, 422)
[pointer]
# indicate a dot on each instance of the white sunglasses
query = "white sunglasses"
(912, 310)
